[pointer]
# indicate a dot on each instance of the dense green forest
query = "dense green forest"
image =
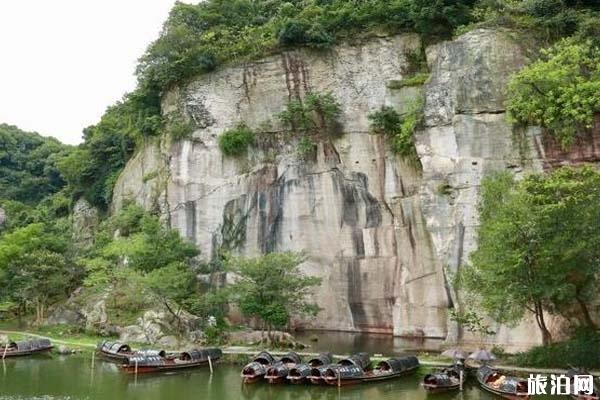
(529, 227)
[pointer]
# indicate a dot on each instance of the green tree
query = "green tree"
(35, 268)
(28, 165)
(272, 288)
(174, 286)
(538, 246)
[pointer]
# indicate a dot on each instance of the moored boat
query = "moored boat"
(257, 368)
(158, 361)
(348, 371)
(302, 372)
(508, 387)
(277, 372)
(392, 368)
(443, 380)
(25, 348)
(316, 374)
(114, 351)
(577, 394)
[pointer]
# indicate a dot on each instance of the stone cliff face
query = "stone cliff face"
(383, 234)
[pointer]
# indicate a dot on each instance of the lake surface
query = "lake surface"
(348, 342)
(73, 378)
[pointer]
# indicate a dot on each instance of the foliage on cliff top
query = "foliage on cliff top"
(198, 38)
(560, 92)
(543, 20)
(539, 247)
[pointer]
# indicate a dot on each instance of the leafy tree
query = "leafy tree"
(35, 268)
(141, 262)
(272, 288)
(154, 247)
(567, 203)
(538, 246)
(174, 286)
(560, 92)
(28, 165)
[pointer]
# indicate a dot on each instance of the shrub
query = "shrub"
(399, 128)
(317, 112)
(179, 128)
(583, 350)
(235, 142)
(305, 147)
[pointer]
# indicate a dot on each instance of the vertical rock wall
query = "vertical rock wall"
(381, 233)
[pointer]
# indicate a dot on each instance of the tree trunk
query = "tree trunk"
(539, 317)
(587, 319)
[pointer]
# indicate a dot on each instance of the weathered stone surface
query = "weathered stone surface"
(85, 222)
(584, 149)
(380, 233)
(160, 327)
(2, 217)
(65, 315)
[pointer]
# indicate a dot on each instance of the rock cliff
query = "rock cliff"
(384, 234)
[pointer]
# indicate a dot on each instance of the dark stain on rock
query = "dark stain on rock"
(355, 300)
(190, 218)
(358, 241)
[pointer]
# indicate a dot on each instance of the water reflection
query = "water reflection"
(74, 378)
(348, 342)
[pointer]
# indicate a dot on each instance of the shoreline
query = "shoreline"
(247, 351)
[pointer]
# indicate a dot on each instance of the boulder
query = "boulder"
(64, 351)
(64, 315)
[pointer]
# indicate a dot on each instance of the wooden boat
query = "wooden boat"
(392, 368)
(316, 374)
(301, 372)
(114, 351)
(25, 348)
(506, 386)
(277, 372)
(348, 371)
(444, 380)
(581, 395)
(148, 361)
(257, 368)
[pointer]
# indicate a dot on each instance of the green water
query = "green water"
(348, 343)
(72, 377)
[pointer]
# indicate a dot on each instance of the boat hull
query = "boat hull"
(11, 354)
(432, 388)
(384, 377)
(146, 369)
(509, 396)
(342, 382)
(114, 357)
